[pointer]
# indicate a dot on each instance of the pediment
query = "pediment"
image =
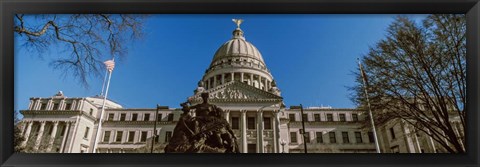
(237, 92)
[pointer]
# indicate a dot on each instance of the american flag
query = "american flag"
(110, 64)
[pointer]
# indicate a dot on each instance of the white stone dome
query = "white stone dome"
(238, 60)
(235, 48)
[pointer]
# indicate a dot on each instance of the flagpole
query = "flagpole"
(103, 84)
(100, 121)
(365, 85)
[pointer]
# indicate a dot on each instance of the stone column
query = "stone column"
(223, 78)
(241, 77)
(265, 84)
(458, 133)
(233, 76)
(36, 104)
(432, 143)
(260, 147)
(214, 81)
(31, 105)
(276, 131)
(40, 135)
(49, 104)
(209, 81)
(65, 134)
(417, 142)
(53, 136)
(243, 120)
(27, 133)
(251, 79)
(408, 139)
(260, 82)
(226, 114)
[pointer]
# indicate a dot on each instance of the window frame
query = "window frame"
(334, 137)
(119, 134)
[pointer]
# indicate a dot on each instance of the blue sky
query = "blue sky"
(310, 56)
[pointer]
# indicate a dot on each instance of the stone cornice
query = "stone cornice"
(139, 122)
(299, 123)
(141, 109)
(325, 109)
(50, 112)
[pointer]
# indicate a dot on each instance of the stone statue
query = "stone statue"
(208, 131)
(200, 88)
(238, 22)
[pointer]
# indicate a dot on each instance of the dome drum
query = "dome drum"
(259, 81)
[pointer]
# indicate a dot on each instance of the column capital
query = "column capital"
(243, 111)
(260, 111)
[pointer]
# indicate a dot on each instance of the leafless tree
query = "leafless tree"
(87, 39)
(417, 73)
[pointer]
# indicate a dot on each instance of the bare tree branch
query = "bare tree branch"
(88, 39)
(417, 74)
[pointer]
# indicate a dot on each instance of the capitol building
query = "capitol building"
(239, 82)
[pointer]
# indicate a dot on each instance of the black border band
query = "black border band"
(8, 8)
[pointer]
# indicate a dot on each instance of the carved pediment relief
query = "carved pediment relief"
(237, 91)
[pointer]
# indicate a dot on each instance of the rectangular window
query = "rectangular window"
(134, 117)
(291, 117)
(267, 123)
(143, 137)
(305, 117)
(55, 106)
(355, 117)
(122, 117)
(68, 106)
(159, 117)
(235, 123)
(317, 117)
(131, 136)
(43, 106)
(342, 117)
(170, 117)
(392, 133)
(146, 117)
(119, 136)
(110, 116)
(168, 135)
(345, 137)
(307, 137)
(319, 136)
(87, 129)
(293, 137)
(371, 138)
(251, 122)
(330, 117)
(106, 136)
(333, 139)
(358, 137)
